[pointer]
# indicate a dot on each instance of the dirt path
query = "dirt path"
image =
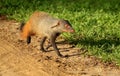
(19, 59)
(15, 63)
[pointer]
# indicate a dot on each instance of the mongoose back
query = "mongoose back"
(45, 26)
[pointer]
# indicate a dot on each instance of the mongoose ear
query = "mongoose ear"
(66, 20)
(58, 23)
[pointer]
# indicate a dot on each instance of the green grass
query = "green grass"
(96, 22)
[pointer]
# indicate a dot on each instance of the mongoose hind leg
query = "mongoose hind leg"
(28, 39)
(42, 44)
(48, 46)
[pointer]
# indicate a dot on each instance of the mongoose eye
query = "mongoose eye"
(67, 26)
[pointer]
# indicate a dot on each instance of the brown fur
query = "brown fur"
(42, 24)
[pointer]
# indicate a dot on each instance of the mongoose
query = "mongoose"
(45, 26)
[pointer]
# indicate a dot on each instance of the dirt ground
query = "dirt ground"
(19, 59)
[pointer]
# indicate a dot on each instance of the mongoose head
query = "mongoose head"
(63, 26)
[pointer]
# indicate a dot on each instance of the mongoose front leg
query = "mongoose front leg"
(42, 43)
(52, 40)
(28, 39)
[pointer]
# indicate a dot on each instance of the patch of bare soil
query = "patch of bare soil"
(19, 59)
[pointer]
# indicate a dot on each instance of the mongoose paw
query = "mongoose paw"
(64, 56)
(43, 50)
